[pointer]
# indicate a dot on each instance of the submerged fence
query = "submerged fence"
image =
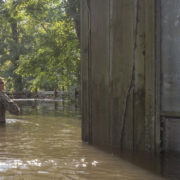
(45, 94)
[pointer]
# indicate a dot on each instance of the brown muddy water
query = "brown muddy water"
(44, 143)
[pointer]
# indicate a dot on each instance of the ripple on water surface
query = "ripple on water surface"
(47, 146)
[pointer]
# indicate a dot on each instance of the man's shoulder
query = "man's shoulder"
(2, 93)
(5, 98)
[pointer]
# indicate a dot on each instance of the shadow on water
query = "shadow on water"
(44, 142)
(171, 165)
(166, 165)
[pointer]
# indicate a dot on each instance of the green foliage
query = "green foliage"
(72, 8)
(39, 46)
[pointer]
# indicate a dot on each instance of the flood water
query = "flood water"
(45, 143)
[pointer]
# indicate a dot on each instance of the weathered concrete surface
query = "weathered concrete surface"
(170, 74)
(170, 52)
(118, 74)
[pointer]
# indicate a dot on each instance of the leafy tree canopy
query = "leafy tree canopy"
(39, 46)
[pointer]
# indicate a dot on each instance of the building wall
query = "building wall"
(170, 53)
(170, 74)
(120, 103)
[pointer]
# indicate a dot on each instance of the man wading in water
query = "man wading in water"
(6, 104)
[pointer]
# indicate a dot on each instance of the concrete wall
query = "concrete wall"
(118, 72)
(170, 74)
(170, 35)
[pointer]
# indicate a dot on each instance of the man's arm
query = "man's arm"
(10, 105)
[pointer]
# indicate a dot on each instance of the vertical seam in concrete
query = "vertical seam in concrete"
(110, 66)
(110, 38)
(131, 84)
(157, 72)
(133, 37)
(89, 73)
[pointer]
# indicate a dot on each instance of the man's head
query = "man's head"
(1, 84)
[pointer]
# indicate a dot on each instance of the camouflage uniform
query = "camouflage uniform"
(7, 104)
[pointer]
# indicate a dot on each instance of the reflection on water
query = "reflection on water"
(171, 166)
(45, 143)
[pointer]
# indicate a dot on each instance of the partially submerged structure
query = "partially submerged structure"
(130, 69)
